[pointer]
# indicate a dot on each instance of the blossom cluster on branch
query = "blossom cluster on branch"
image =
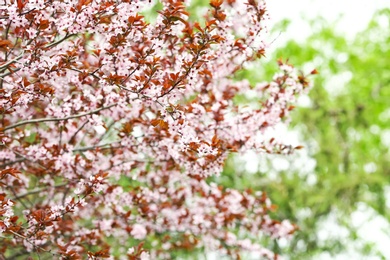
(111, 125)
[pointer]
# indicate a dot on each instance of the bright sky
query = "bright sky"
(354, 14)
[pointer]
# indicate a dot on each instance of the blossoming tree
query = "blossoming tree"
(110, 127)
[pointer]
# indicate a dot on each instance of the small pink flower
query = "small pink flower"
(139, 231)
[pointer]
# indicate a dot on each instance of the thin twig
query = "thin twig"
(41, 120)
(8, 73)
(5, 65)
(37, 191)
(83, 149)
(107, 131)
(33, 244)
(59, 41)
(18, 160)
(78, 130)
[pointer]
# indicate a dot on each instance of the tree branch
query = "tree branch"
(37, 191)
(5, 65)
(8, 73)
(41, 120)
(18, 160)
(103, 146)
(59, 41)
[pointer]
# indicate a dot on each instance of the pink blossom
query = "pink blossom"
(138, 231)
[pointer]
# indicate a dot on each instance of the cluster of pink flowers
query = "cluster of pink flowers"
(110, 127)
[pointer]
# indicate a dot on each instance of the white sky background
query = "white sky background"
(353, 16)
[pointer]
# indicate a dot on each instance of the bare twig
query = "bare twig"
(5, 65)
(37, 191)
(59, 41)
(41, 120)
(105, 146)
(32, 243)
(18, 160)
(8, 73)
